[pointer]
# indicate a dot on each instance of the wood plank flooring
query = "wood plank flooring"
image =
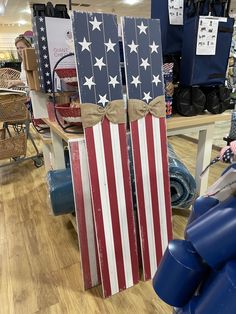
(39, 259)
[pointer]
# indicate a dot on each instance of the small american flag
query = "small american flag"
(144, 79)
(98, 68)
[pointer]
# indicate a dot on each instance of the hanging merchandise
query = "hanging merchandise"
(171, 34)
(205, 52)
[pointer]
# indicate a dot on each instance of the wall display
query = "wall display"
(84, 214)
(98, 65)
(146, 108)
(52, 37)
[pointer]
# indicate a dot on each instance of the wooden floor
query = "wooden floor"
(39, 258)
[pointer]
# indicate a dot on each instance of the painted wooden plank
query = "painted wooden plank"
(84, 214)
(143, 64)
(98, 68)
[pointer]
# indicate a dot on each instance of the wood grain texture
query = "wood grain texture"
(39, 259)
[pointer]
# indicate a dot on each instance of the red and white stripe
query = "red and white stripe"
(84, 213)
(112, 206)
(149, 146)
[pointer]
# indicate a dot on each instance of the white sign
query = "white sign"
(59, 37)
(207, 35)
(176, 11)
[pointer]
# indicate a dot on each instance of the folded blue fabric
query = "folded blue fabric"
(61, 191)
(182, 183)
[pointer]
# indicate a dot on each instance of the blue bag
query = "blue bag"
(205, 69)
(171, 35)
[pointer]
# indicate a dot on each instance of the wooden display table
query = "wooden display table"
(203, 124)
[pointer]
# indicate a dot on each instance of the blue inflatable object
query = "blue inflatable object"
(201, 205)
(205, 70)
(179, 274)
(213, 235)
(61, 191)
(219, 297)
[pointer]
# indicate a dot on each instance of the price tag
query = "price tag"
(207, 36)
(176, 11)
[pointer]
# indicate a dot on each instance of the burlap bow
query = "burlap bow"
(138, 108)
(91, 114)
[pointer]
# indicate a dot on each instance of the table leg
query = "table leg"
(58, 151)
(205, 140)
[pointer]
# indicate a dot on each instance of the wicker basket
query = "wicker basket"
(68, 75)
(8, 75)
(14, 110)
(71, 115)
(2, 134)
(13, 146)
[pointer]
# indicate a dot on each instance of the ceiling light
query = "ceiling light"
(2, 9)
(22, 22)
(27, 11)
(131, 2)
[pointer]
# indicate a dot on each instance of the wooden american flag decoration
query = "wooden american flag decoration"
(84, 214)
(143, 64)
(98, 68)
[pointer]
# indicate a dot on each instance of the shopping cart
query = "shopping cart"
(15, 131)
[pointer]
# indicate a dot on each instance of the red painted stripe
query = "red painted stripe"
(97, 206)
(153, 186)
(107, 142)
(80, 214)
(166, 177)
(129, 203)
(140, 200)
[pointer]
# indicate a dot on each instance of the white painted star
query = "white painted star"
(43, 38)
(144, 63)
(47, 73)
(96, 24)
(42, 29)
(103, 100)
(85, 44)
(147, 97)
(41, 19)
(156, 79)
(49, 90)
(113, 81)
(110, 45)
(136, 80)
(44, 48)
(89, 82)
(99, 63)
(154, 47)
(133, 47)
(45, 57)
(142, 28)
(46, 65)
(48, 82)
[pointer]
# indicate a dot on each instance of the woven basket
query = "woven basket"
(71, 115)
(7, 74)
(66, 72)
(13, 146)
(14, 110)
(2, 134)
(68, 75)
